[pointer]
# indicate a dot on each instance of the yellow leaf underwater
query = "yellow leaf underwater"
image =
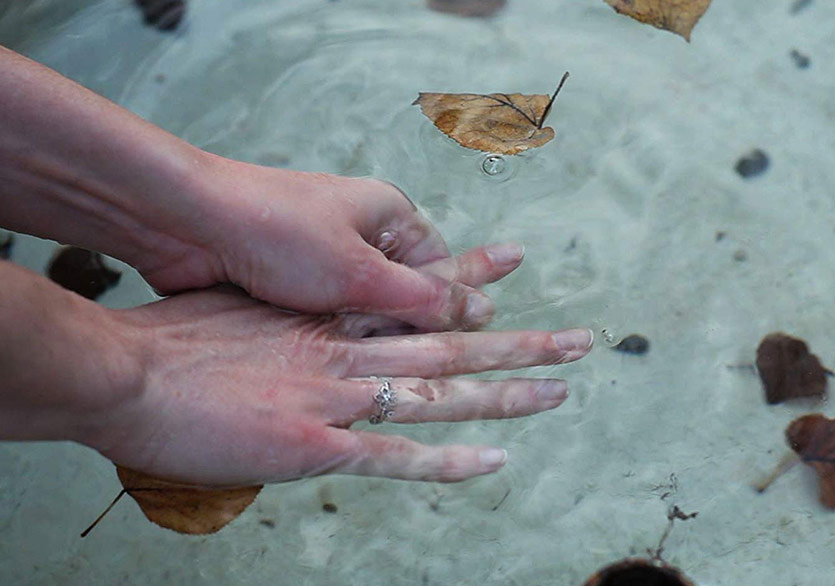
(496, 123)
(180, 507)
(184, 508)
(678, 16)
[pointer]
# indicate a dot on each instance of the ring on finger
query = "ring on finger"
(385, 399)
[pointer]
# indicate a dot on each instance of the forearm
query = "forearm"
(65, 365)
(79, 169)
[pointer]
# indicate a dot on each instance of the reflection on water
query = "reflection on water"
(621, 216)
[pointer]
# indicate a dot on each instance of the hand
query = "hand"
(320, 243)
(81, 170)
(237, 392)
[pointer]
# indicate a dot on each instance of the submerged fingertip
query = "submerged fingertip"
(479, 309)
(492, 459)
(506, 253)
(577, 339)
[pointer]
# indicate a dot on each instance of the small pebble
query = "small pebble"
(720, 235)
(633, 344)
(269, 523)
(165, 15)
(329, 508)
(799, 5)
(802, 61)
(740, 255)
(753, 164)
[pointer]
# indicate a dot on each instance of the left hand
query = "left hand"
(236, 392)
(317, 243)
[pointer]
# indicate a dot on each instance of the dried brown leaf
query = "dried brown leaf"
(496, 123)
(788, 370)
(813, 438)
(678, 16)
(185, 508)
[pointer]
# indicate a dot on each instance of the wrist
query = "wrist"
(69, 369)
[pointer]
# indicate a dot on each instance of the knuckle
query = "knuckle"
(453, 352)
(366, 271)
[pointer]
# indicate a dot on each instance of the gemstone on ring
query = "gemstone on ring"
(385, 398)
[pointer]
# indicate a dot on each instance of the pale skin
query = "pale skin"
(221, 386)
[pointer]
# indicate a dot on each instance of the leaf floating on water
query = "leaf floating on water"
(495, 123)
(677, 16)
(181, 507)
(467, 7)
(788, 370)
(813, 438)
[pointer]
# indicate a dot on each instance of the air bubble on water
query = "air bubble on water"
(493, 165)
(610, 337)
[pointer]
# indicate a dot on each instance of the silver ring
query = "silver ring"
(385, 398)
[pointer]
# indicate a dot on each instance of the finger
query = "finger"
(391, 456)
(421, 400)
(449, 353)
(479, 266)
(374, 284)
(402, 233)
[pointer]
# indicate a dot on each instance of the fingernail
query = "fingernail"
(479, 309)
(576, 339)
(551, 391)
(386, 241)
(492, 458)
(505, 254)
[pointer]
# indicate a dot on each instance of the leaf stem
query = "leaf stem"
(551, 102)
(107, 510)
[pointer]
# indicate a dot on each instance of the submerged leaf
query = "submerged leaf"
(185, 508)
(788, 370)
(82, 271)
(635, 571)
(6, 243)
(496, 123)
(467, 7)
(813, 438)
(677, 16)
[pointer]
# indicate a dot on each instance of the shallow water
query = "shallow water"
(620, 215)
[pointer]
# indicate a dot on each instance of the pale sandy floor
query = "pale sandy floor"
(619, 215)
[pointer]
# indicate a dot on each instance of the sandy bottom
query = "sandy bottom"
(634, 221)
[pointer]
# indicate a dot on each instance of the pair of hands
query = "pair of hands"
(215, 386)
(236, 391)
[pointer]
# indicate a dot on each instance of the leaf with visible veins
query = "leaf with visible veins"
(495, 123)
(181, 507)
